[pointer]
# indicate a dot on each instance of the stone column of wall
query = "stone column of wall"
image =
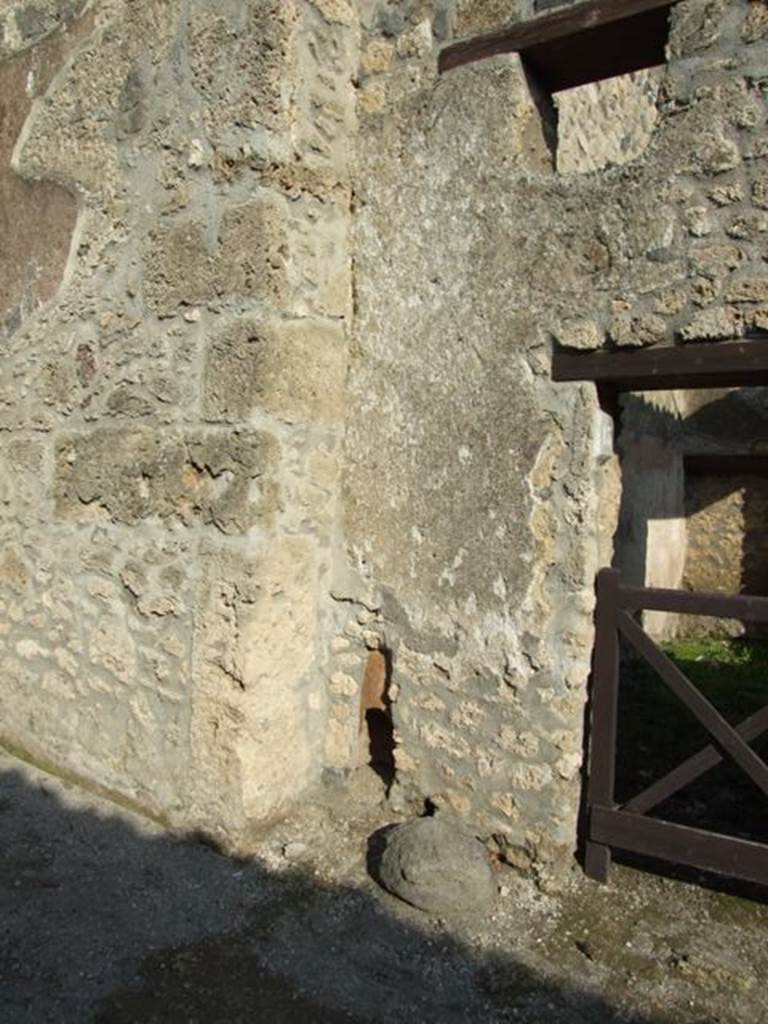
(472, 481)
(472, 488)
(171, 419)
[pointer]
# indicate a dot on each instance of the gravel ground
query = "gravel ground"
(106, 918)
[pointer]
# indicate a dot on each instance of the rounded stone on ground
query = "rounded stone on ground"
(434, 865)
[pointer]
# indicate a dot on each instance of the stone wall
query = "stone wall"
(171, 422)
(480, 498)
(278, 429)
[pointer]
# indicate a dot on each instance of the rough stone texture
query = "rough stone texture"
(453, 488)
(472, 484)
(580, 334)
(294, 370)
(171, 419)
(196, 563)
(609, 122)
(434, 865)
(476, 16)
(127, 477)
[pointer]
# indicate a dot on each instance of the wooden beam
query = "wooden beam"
(665, 368)
(606, 51)
(745, 607)
(725, 855)
(726, 464)
(547, 29)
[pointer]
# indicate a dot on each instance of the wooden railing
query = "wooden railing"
(612, 827)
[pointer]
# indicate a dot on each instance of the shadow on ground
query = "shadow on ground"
(101, 922)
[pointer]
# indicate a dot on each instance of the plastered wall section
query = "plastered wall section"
(170, 422)
(479, 497)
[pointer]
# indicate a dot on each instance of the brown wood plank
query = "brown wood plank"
(614, 49)
(545, 29)
(604, 714)
(720, 606)
(755, 465)
(695, 365)
(707, 851)
(694, 767)
(696, 702)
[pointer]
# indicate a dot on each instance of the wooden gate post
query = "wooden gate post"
(604, 706)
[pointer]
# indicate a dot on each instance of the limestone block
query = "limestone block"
(580, 334)
(416, 42)
(476, 16)
(324, 118)
(713, 325)
(253, 251)
(715, 260)
(748, 226)
(254, 646)
(320, 273)
(340, 12)
(698, 221)
(372, 98)
(342, 738)
(747, 289)
(760, 191)
(15, 573)
(715, 154)
(179, 268)
(377, 57)
(608, 122)
(725, 195)
(23, 478)
(636, 330)
(695, 25)
(670, 302)
(243, 65)
(131, 476)
(755, 23)
(705, 290)
(294, 370)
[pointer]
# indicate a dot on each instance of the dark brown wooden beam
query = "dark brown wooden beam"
(744, 607)
(703, 365)
(737, 858)
(548, 29)
(727, 465)
(617, 48)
